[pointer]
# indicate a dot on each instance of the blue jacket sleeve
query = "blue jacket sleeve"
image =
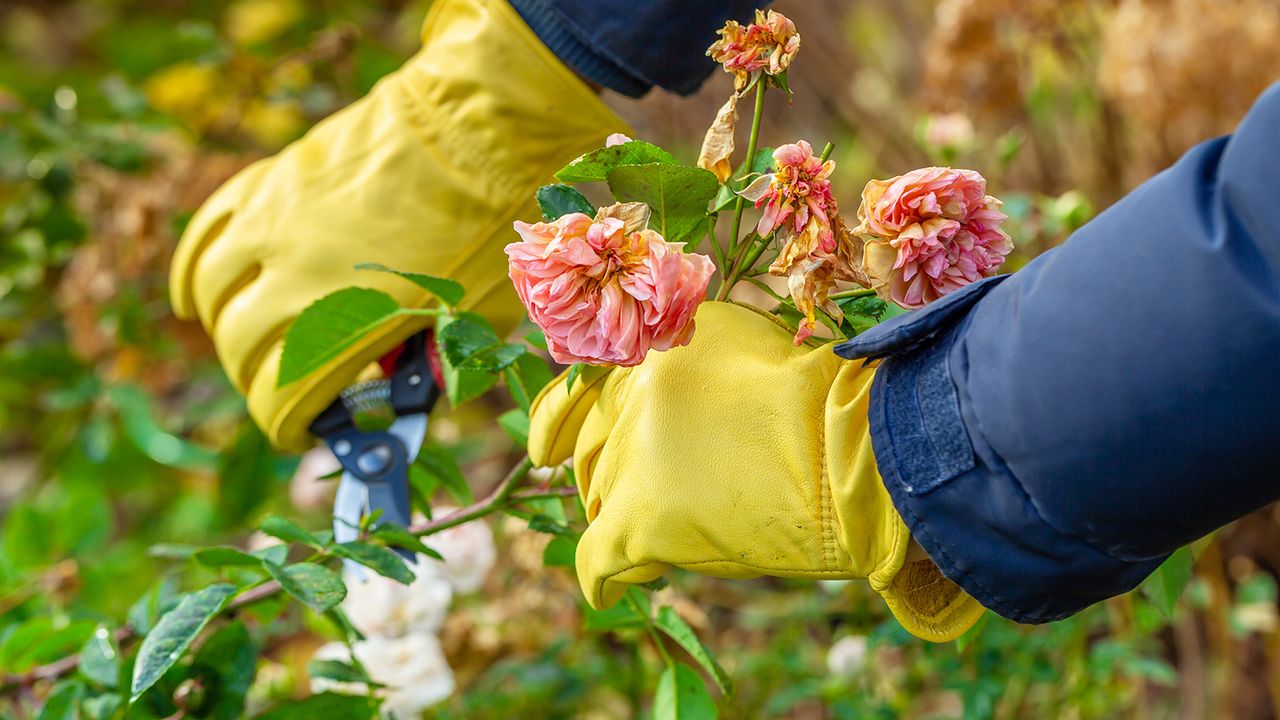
(630, 46)
(1050, 436)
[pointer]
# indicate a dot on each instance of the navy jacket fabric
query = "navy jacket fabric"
(1052, 435)
(630, 46)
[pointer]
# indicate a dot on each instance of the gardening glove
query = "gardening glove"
(425, 174)
(738, 455)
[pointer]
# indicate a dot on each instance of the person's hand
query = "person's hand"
(424, 174)
(738, 455)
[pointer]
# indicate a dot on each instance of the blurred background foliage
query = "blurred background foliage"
(119, 435)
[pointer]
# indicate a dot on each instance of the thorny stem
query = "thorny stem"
(740, 205)
(502, 497)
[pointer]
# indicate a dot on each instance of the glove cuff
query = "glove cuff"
(871, 531)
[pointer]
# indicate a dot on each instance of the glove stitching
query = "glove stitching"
(824, 494)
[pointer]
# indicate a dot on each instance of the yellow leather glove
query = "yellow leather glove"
(738, 455)
(426, 174)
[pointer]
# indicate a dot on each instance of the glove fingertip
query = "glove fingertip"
(557, 414)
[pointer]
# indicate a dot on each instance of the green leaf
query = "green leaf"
(100, 707)
(287, 530)
(556, 201)
(574, 371)
(525, 379)
(449, 292)
(619, 617)
(678, 196)
(469, 343)
(61, 703)
(495, 359)
(171, 551)
(329, 326)
(275, 553)
(396, 536)
(560, 552)
(516, 423)
(223, 556)
(596, 165)
(682, 695)
(1154, 669)
(781, 81)
(317, 586)
(100, 658)
(60, 642)
(160, 599)
(157, 443)
(1168, 581)
(536, 338)
(325, 705)
(677, 629)
(462, 384)
(966, 640)
(727, 194)
(162, 647)
(337, 670)
(440, 465)
(226, 663)
(247, 475)
(379, 559)
(547, 524)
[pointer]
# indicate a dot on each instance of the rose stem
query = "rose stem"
(730, 275)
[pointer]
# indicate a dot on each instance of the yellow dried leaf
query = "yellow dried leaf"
(717, 146)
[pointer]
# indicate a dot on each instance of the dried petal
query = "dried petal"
(634, 215)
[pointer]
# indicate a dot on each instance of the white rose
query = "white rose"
(413, 668)
(847, 656)
(381, 606)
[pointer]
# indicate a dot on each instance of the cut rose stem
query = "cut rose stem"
(503, 496)
(735, 252)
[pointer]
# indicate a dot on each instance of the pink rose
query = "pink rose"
(606, 290)
(930, 232)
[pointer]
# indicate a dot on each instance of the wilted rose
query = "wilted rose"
(796, 193)
(607, 290)
(767, 45)
(930, 232)
(817, 251)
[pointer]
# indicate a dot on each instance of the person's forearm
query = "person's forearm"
(631, 47)
(1051, 436)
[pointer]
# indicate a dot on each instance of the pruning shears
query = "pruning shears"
(375, 464)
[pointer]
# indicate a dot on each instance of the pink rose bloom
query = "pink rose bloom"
(767, 45)
(605, 291)
(798, 191)
(930, 232)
